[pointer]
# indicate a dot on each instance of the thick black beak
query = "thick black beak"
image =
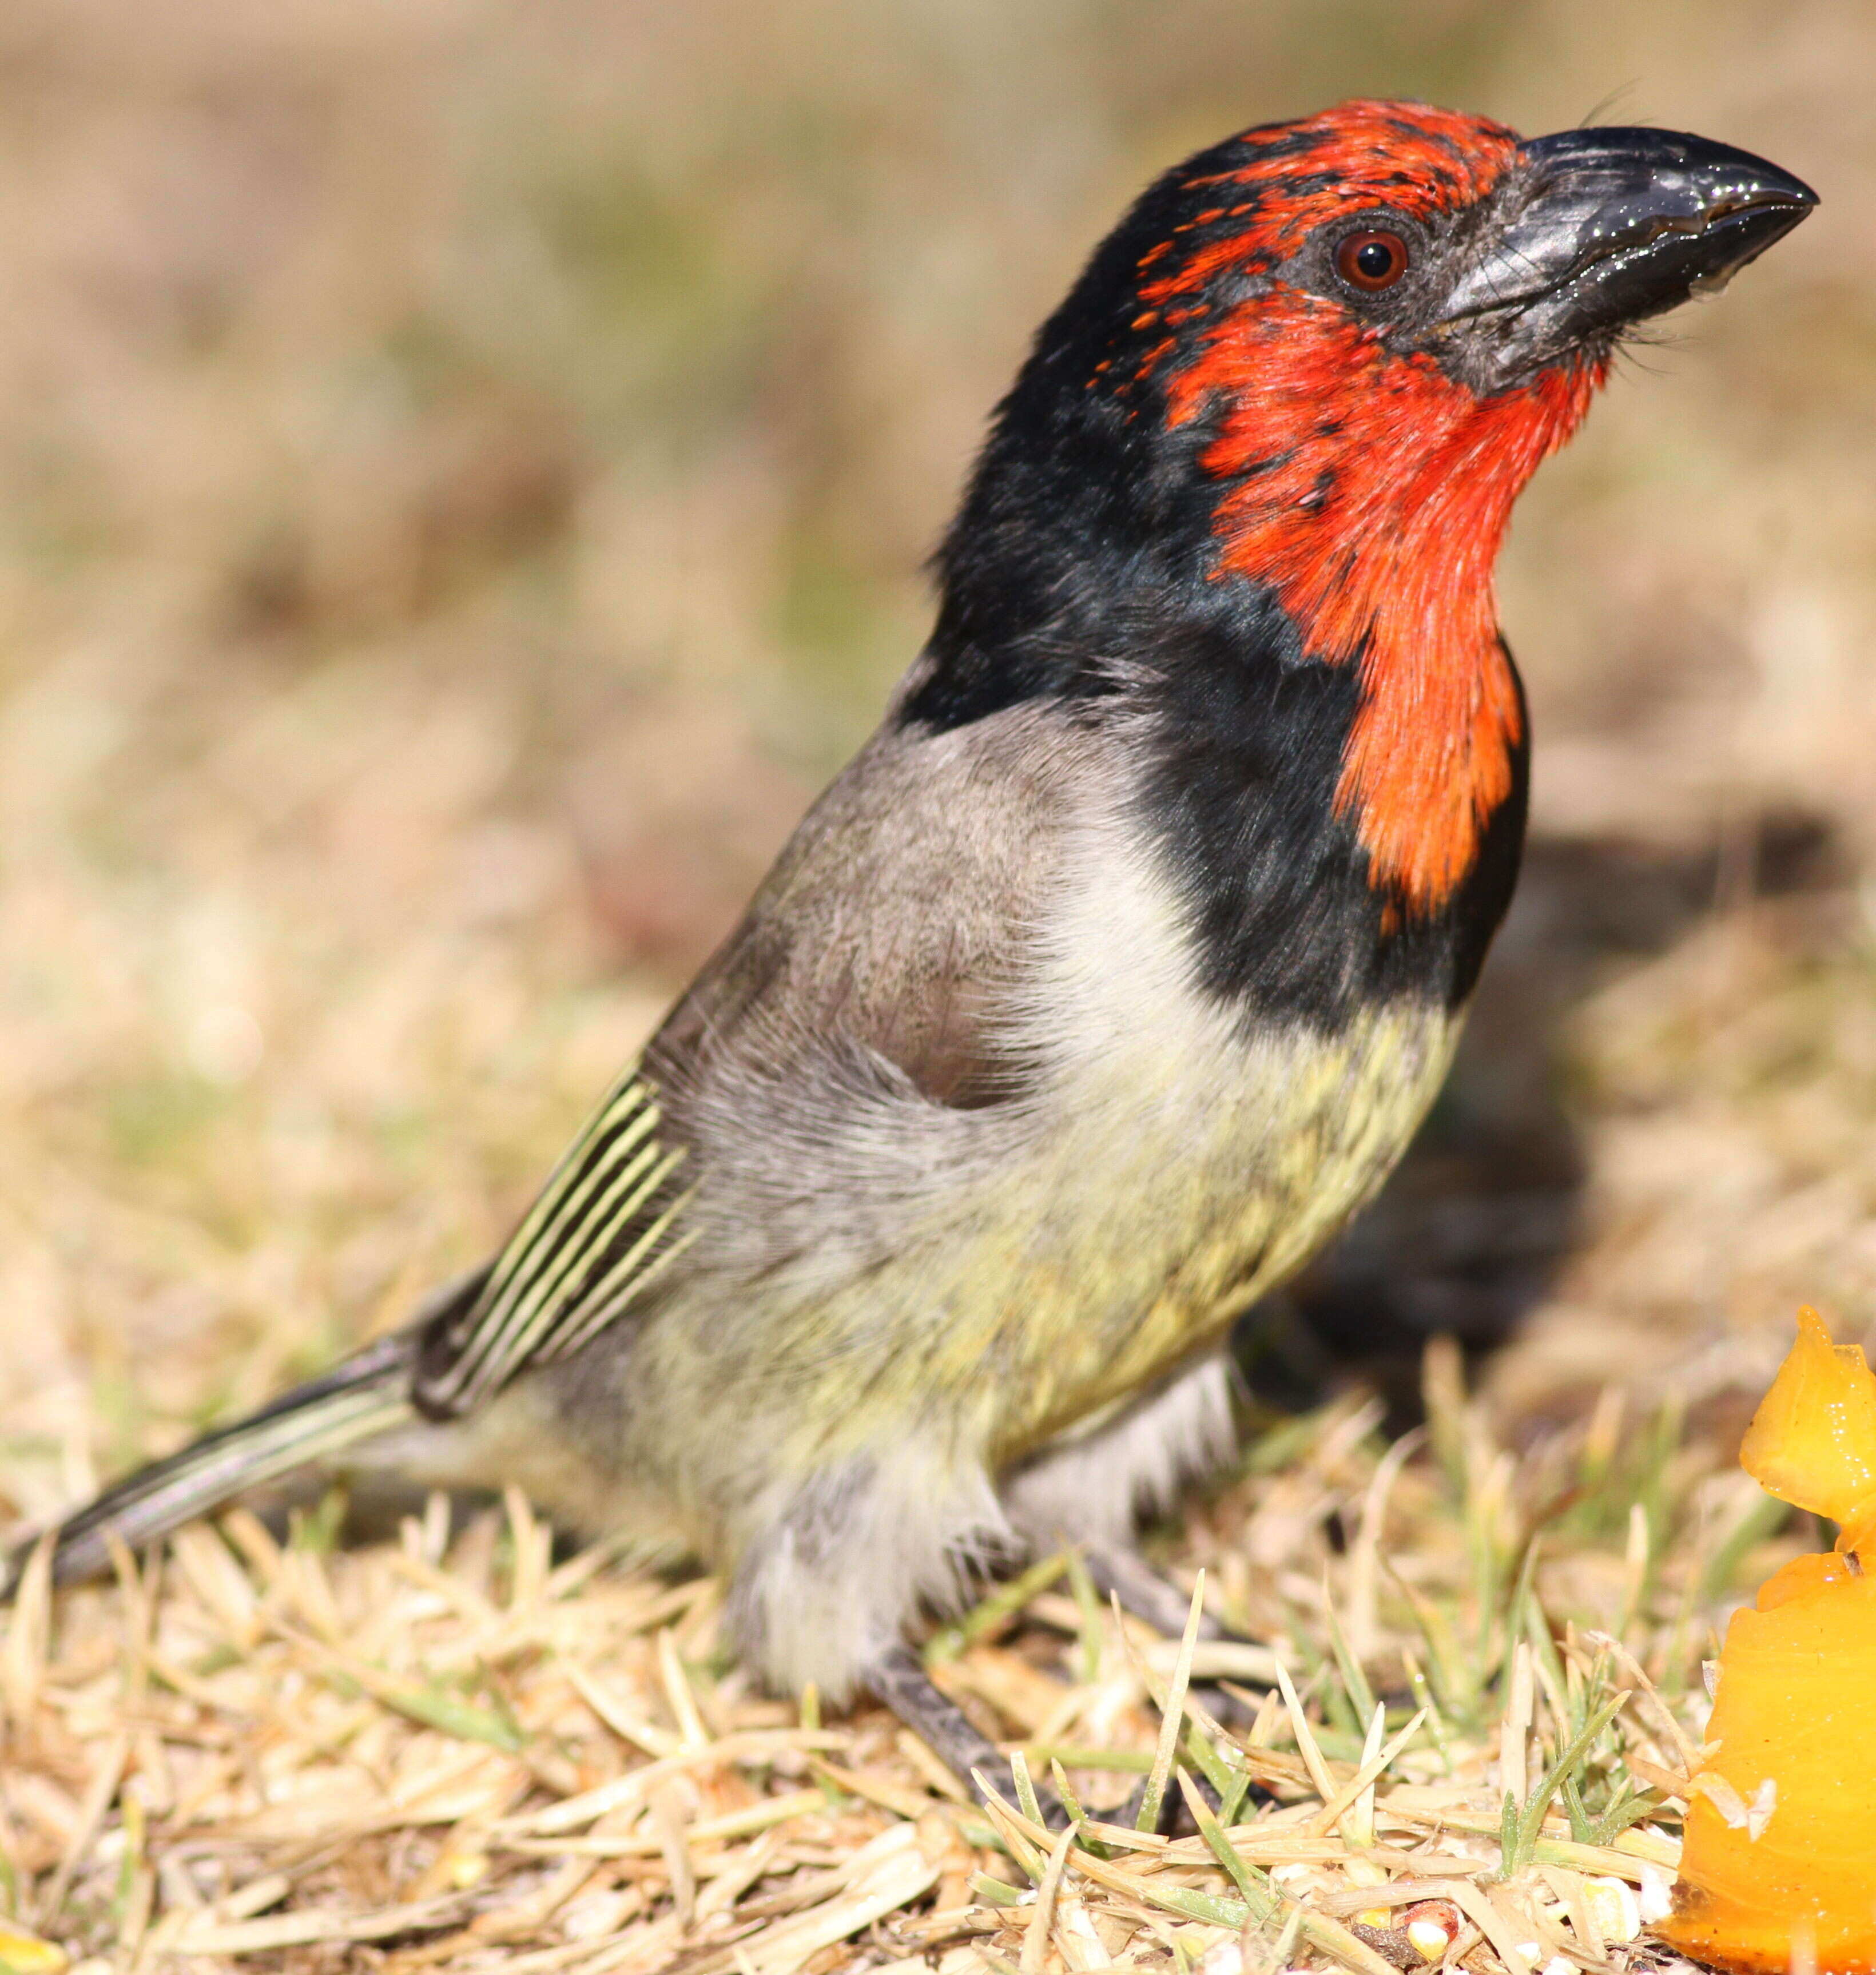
(1601, 228)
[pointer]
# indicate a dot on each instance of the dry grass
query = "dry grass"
(462, 477)
(453, 1753)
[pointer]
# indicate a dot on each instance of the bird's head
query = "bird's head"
(1314, 366)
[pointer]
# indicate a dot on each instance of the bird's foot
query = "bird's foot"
(898, 1678)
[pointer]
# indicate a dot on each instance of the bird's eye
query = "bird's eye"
(1372, 262)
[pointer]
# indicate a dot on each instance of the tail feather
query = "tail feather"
(364, 1395)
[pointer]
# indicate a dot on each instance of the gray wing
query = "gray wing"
(895, 928)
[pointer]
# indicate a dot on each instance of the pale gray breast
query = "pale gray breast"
(854, 1054)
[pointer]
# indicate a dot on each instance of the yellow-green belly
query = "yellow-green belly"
(1164, 1191)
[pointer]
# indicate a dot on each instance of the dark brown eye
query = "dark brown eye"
(1372, 262)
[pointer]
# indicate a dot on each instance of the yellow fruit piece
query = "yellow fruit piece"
(1812, 1442)
(1431, 1926)
(1428, 1939)
(1802, 1578)
(1778, 1853)
(27, 1954)
(1613, 1906)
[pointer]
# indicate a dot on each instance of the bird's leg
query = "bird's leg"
(1124, 1575)
(898, 1678)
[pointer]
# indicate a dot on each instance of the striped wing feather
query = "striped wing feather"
(607, 1224)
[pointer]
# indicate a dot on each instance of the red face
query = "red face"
(1355, 318)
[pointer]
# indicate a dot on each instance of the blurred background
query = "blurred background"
(465, 474)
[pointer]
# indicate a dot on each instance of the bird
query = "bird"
(1116, 971)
